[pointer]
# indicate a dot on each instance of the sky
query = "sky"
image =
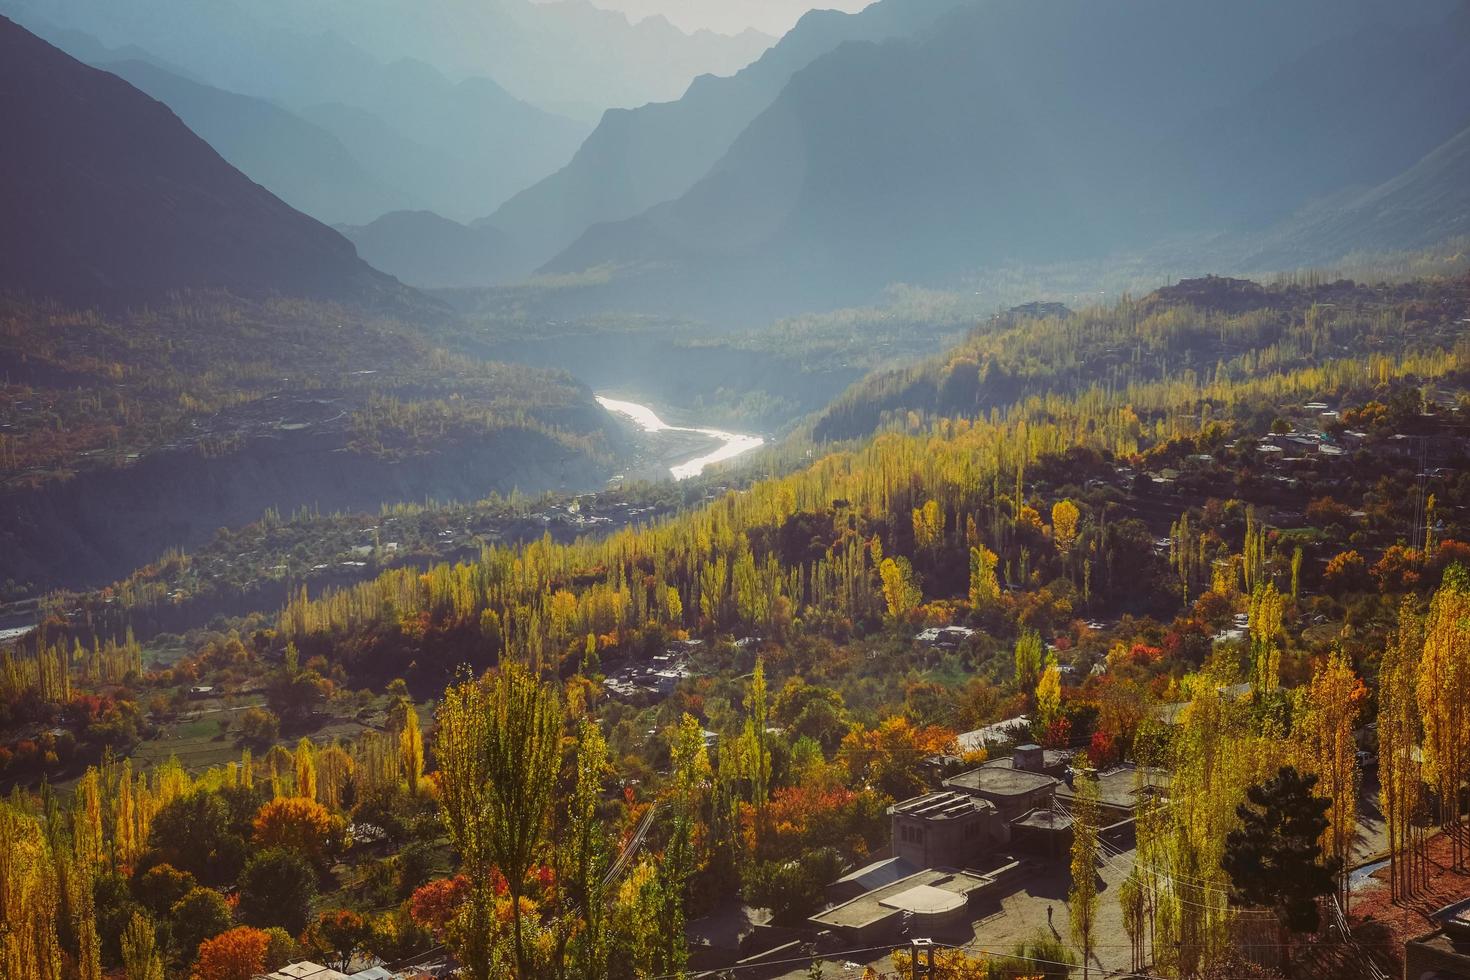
(774, 17)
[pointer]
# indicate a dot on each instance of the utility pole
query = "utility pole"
(921, 950)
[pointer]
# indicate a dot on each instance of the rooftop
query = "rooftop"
(1120, 787)
(920, 892)
(1000, 781)
(1044, 818)
(941, 805)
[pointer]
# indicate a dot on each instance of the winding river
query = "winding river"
(732, 443)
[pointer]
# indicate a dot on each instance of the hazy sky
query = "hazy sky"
(773, 17)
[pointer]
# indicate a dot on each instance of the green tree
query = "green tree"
(1274, 859)
(199, 915)
(277, 888)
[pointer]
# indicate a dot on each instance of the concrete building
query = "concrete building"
(930, 903)
(1013, 792)
(945, 829)
(1445, 953)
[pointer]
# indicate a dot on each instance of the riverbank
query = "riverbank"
(673, 446)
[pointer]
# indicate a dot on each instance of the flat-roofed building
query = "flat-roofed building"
(945, 829)
(1445, 953)
(931, 903)
(1013, 792)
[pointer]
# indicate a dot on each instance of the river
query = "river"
(732, 443)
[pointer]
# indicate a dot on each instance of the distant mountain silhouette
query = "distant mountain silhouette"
(462, 148)
(568, 56)
(459, 147)
(1017, 131)
(423, 249)
(301, 163)
(638, 158)
(105, 193)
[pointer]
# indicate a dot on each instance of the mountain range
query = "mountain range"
(322, 112)
(107, 194)
(1012, 131)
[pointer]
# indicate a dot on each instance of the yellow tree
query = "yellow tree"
(899, 589)
(499, 749)
(1049, 694)
(1443, 689)
(984, 586)
(1064, 518)
(404, 721)
(1329, 711)
(306, 769)
(1082, 899)
(29, 899)
(140, 953)
(1399, 764)
(928, 524)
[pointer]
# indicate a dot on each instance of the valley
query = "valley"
(596, 490)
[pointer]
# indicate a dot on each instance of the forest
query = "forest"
(1214, 536)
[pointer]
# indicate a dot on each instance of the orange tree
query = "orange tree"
(297, 824)
(888, 757)
(238, 954)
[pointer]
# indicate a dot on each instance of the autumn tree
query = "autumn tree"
(889, 757)
(1082, 899)
(1400, 765)
(984, 586)
(338, 935)
(298, 824)
(141, 957)
(1443, 689)
(1331, 705)
(900, 591)
(498, 749)
(238, 954)
(583, 858)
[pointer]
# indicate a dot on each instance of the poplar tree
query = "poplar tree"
(1082, 899)
(498, 749)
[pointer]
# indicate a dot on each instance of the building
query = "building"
(307, 970)
(932, 902)
(1015, 786)
(945, 829)
(1445, 953)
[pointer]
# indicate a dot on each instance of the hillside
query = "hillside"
(1426, 204)
(640, 157)
(105, 193)
(1010, 134)
(1191, 331)
(301, 163)
(123, 434)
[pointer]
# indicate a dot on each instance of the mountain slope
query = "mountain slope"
(1427, 204)
(459, 147)
(103, 191)
(426, 250)
(638, 158)
(303, 164)
(1023, 132)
